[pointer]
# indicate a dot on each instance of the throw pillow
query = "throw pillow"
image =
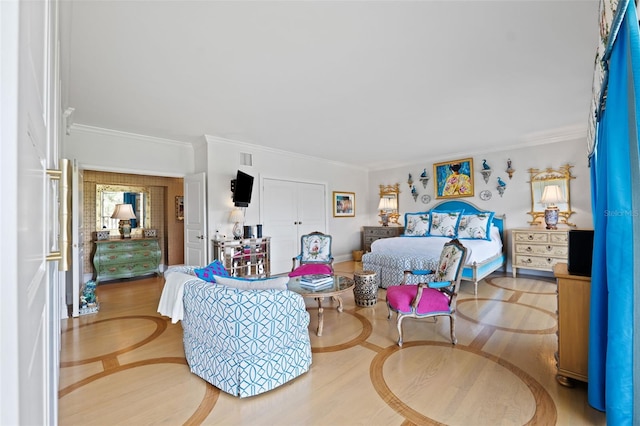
(210, 271)
(444, 223)
(475, 226)
(416, 224)
(277, 283)
(311, 269)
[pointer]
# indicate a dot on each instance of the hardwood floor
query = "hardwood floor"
(125, 365)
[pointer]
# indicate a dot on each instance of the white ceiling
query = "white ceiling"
(372, 83)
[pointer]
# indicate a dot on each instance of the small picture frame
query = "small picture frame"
(344, 204)
(179, 207)
(454, 179)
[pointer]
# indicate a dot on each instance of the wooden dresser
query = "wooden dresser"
(125, 258)
(372, 233)
(574, 296)
(538, 248)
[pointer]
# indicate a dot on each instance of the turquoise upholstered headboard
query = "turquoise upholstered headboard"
(498, 221)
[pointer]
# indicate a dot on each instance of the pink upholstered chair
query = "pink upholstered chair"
(434, 298)
(315, 255)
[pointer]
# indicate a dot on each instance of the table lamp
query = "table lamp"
(124, 212)
(237, 218)
(551, 195)
(385, 206)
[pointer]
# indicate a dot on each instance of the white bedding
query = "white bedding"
(431, 247)
(170, 304)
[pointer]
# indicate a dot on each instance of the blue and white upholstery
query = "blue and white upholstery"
(245, 342)
(390, 269)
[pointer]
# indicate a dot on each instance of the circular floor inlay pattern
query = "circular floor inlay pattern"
(188, 394)
(428, 382)
(128, 333)
(524, 285)
(339, 327)
(507, 316)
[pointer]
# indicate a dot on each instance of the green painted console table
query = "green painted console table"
(125, 258)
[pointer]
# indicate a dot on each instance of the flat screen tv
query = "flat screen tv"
(242, 188)
(580, 252)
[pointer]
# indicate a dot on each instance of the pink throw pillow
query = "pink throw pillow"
(311, 269)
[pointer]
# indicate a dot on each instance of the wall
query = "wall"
(224, 161)
(516, 201)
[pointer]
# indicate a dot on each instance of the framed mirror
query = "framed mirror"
(107, 196)
(388, 204)
(539, 180)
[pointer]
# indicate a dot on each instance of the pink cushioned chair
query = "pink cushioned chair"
(315, 255)
(434, 298)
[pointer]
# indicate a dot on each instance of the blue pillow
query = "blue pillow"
(444, 223)
(208, 272)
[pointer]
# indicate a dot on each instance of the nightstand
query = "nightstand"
(538, 248)
(372, 233)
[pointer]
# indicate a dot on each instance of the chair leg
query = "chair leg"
(454, 340)
(400, 318)
(389, 308)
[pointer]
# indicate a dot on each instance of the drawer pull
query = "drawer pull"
(530, 237)
(549, 248)
(528, 249)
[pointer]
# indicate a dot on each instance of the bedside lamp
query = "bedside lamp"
(124, 212)
(385, 206)
(551, 195)
(236, 217)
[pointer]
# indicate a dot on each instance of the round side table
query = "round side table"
(365, 290)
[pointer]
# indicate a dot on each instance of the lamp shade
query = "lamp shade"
(552, 194)
(123, 212)
(387, 204)
(236, 216)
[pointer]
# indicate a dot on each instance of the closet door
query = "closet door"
(289, 210)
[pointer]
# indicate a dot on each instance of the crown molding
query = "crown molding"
(218, 139)
(81, 128)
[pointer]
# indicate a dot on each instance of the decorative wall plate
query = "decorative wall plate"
(485, 195)
(426, 199)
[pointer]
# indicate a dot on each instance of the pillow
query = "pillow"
(416, 224)
(475, 226)
(207, 273)
(277, 283)
(444, 223)
(311, 269)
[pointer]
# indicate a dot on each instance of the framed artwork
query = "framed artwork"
(344, 204)
(453, 179)
(179, 207)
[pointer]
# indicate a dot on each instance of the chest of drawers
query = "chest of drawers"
(125, 258)
(538, 248)
(372, 233)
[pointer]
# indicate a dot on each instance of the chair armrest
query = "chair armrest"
(439, 284)
(420, 272)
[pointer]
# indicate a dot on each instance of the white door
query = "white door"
(77, 239)
(195, 220)
(30, 313)
(289, 210)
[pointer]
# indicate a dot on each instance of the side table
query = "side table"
(365, 290)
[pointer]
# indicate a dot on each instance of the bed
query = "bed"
(420, 247)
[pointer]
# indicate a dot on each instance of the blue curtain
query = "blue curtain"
(131, 198)
(615, 186)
